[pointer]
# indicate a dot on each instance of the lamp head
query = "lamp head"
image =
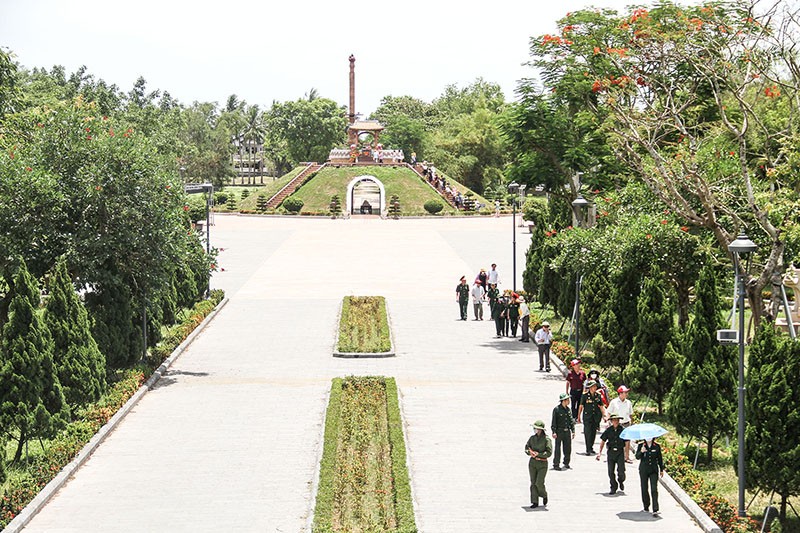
(742, 245)
(513, 187)
(580, 202)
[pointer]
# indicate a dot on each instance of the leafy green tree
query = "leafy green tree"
(31, 399)
(310, 128)
(79, 364)
(772, 435)
(703, 401)
(651, 368)
(9, 90)
(207, 142)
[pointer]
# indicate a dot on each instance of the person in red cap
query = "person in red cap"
(575, 379)
(623, 407)
(462, 296)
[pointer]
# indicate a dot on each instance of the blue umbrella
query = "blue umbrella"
(644, 431)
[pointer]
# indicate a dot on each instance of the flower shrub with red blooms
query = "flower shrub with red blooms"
(563, 351)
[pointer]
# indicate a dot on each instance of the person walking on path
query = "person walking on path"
(483, 277)
(499, 315)
(575, 380)
(525, 318)
(478, 295)
(591, 412)
(563, 428)
(623, 407)
(651, 467)
(543, 339)
(492, 294)
(616, 453)
(513, 313)
(539, 448)
(494, 275)
(462, 296)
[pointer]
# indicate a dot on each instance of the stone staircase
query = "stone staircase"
(444, 194)
(292, 186)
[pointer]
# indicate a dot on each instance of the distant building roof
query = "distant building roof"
(366, 125)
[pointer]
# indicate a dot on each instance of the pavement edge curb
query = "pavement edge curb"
(49, 490)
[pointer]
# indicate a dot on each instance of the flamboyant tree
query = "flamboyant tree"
(699, 102)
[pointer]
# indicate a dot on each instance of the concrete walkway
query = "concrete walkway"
(229, 440)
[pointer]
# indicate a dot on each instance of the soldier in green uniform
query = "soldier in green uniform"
(493, 293)
(563, 428)
(591, 412)
(462, 296)
(539, 448)
(651, 466)
(499, 316)
(513, 313)
(616, 453)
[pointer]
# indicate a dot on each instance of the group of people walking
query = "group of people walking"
(507, 309)
(590, 407)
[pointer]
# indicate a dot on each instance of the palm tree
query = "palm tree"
(253, 134)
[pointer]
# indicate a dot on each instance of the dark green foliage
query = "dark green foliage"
(565, 305)
(220, 197)
(245, 193)
(80, 365)
(394, 207)
(261, 203)
(31, 400)
(703, 401)
(230, 205)
(114, 329)
(292, 204)
(651, 367)
(469, 201)
(594, 297)
(335, 206)
(433, 206)
(772, 436)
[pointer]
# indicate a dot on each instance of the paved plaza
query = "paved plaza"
(230, 439)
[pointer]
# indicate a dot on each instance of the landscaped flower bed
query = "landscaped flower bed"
(363, 482)
(364, 325)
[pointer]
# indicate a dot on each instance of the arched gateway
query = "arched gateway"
(366, 196)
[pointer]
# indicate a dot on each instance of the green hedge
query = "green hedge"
(24, 484)
(364, 325)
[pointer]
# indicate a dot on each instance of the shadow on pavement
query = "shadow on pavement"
(171, 377)
(527, 509)
(637, 516)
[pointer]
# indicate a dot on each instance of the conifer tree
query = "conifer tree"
(651, 366)
(261, 203)
(617, 324)
(80, 366)
(117, 336)
(703, 401)
(31, 400)
(772, 435)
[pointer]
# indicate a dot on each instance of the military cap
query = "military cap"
(539, 424)
(563, 396)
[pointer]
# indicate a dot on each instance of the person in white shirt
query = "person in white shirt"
(494, 275)
(478, 296)
(543, 339)
(623, 407)
(525, 317)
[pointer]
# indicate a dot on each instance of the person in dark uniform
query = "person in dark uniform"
(462, 296)
(563, 428)
(539, 448)
(513, 313)
(651, 467)
(591, 412)
(499, 316)
(616, 453)
(492, 294)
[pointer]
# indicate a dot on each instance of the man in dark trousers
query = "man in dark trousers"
(616, 453)
(591, 412)
(499, 316)
(563, 428)
(462, 296)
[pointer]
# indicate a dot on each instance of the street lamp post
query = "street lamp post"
(579, 204)
(513, 188)
(741, 249)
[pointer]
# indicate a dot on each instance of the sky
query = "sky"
(263, 50)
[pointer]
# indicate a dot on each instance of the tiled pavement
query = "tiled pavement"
(229, 439)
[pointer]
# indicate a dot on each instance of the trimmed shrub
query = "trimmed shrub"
(433, 206)
(293, 205)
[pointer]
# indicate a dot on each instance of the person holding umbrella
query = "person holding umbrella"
(616, 453)
(651, 463)
(539, 448)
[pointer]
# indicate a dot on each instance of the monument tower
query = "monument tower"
(357, 127)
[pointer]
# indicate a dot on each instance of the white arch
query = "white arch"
(352, 184)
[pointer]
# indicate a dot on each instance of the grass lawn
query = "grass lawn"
(269, 188)
(364, 326)
(411, 189)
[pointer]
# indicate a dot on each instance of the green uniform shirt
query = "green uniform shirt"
(562, 420)
(539, 442)
(462, 290)
(591, 406)
(513, 310)
(650, 458)
(614, 443)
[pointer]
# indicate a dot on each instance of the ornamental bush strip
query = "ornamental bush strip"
(364, 325)
(363, 482)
